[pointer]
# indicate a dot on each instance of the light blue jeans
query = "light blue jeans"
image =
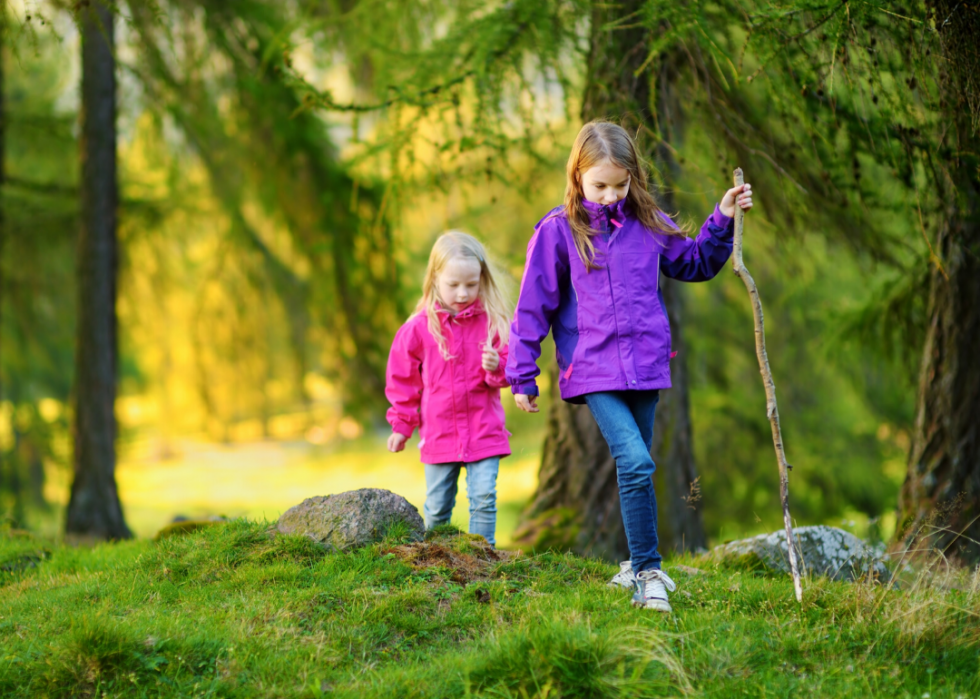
(481, 489)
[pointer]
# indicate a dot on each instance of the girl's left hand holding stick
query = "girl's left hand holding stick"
(740, 196)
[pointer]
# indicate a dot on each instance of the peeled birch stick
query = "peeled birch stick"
(771, 411)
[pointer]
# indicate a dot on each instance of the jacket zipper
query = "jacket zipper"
(619, 351)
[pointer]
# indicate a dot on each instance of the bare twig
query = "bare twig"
(771, 411)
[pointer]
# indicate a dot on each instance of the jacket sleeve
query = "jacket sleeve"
(545, 270)
(701, 258)
(498, 378)
(403, 381)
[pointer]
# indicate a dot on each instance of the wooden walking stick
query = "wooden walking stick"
(772, 412)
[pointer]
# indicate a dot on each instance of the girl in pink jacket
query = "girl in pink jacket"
(445, 372)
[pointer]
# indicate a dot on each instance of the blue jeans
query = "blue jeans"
(625, 419)
(481, 489)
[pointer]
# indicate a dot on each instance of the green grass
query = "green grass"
(228, 611)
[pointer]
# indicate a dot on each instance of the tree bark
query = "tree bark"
(681, 526)
(576, 505)
(3, 183)
(94, 510)
(940, 500)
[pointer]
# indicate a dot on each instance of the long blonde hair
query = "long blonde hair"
(458, 245)
(599, 141)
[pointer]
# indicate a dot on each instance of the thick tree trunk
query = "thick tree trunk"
(94, 509)
(940, 500)
(3, 182)
(576, 505)
(681, 527)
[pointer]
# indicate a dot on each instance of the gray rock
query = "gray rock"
(348, 520)
(828, 551)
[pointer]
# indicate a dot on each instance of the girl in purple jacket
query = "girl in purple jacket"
(592, 278)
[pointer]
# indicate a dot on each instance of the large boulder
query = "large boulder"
(828, 551)
(355, 518)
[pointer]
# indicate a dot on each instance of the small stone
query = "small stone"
(688, 570)
(349, 520)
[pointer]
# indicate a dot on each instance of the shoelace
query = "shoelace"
(654, 575)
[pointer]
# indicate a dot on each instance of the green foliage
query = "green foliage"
(833, 111)
(811, 101)
(38, 213)
(459, 101)
(258, 146)
(836, 115)
(844, 410)
(229, 611)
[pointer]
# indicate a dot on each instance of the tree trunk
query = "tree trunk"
(3, 182)
(576, 504)
(94, 510)
(681, 527)
(940, 500)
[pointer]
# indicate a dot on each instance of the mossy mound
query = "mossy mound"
(464, 557)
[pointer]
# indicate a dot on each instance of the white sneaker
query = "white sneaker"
(625, 577)
(651, 590)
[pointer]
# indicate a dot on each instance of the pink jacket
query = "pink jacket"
(455, 403)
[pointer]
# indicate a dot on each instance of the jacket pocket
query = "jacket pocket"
(643, 267)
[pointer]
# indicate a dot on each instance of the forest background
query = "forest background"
(285, 166)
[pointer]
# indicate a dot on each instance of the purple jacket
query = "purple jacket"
(610, 325)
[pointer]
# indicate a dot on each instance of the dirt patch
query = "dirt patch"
(467, 558)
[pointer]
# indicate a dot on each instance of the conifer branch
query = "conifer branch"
(322, 99)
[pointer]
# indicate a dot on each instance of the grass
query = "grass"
(229, 611)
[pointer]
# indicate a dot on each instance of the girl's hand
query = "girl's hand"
(491, 358)
(526, 403)
(396, 442)
(744, 199)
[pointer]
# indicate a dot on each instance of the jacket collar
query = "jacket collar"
(615, 212)
(474, 309)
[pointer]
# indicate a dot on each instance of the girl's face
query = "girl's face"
(605, 183)
(458, 284)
